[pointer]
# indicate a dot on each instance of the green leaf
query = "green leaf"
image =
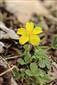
(16, 74)
(42, 57)
(54, 42)
(27, 47)
(34, 68)
(41, 72)
(40, 53)
(22, 73)
(33, 57)
(27, 57)
(44, 63)
(20, 61)
(41, 64)
(28, 72)
(42, 79)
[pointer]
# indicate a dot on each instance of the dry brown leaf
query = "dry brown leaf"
(1, 47)
(23, 9)
(50, 3)
(9, 32)
(13, 82)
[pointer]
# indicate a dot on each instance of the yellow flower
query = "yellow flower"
(29, 34)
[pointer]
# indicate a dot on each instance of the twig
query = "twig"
(13, 57)
(10, 69)
(4, 61)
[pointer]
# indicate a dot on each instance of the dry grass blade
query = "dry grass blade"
(10, 69)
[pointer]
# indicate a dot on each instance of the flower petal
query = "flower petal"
(29, 26)
(23, 39)
(21, 31)
(34, 39)
(37, 30)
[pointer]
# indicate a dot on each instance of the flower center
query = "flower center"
(29, 34)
